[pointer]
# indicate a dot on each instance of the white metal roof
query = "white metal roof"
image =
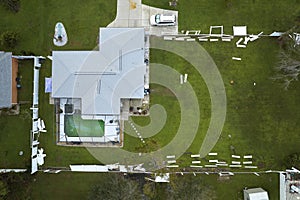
(102, 78)
(5, 79)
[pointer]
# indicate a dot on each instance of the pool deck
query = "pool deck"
(110, 130)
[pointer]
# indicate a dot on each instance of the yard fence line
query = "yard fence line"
(65, 169)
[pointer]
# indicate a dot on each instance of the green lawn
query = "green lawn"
(233, 188)
(166, 98)
(65, 184)
(262, 120)
(36, 20)
(256, 117)
(14, 137)
(35, 24)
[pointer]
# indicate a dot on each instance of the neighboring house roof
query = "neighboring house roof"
(101, 78)
(5, 79)
(256, 194)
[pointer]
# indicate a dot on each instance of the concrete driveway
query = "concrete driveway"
(132, 13)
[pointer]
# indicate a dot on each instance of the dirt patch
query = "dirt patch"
(132, 5)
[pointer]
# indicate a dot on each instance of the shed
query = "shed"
(255, 194)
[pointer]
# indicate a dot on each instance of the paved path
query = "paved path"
(132, 13)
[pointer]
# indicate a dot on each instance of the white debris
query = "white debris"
(202, 39)
(171, 166)
(168, 38)
(239, 41)
(248, 156)
(250, 167)
(163, 178)
(171, 156)
(180, 39)
(181, 79)
(196, 166)
(196, 162)
(211, 166)
(241, 46)
(226, 39)
(190, 39)
(185, 78)
(239, 30)
(236, 58)
(171, 161)
(246, 40)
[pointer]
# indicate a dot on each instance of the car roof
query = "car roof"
(170, 18)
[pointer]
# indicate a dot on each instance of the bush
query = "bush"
(12, 5)
(3, 190)
(115, 186)
(9, 39)
(292, 160)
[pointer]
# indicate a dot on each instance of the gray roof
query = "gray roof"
(5, 79)
(101, 78)
(256, 194)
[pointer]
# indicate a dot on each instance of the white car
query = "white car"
(163, 20)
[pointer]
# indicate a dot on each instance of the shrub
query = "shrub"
(292, 160)
(12, 5)
(9, 39)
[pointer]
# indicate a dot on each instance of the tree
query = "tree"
(292, 160)
(13, 5)
(115, 187)
(149, 190)
(288, 67)
(9, 39)
(190, 187)
(3, 190)
(18, 185)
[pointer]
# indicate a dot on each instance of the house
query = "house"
(89, 86)
(8, 77)
(255, 194)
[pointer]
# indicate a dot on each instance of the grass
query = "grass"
(14, 137)
(36, 20)
(166, 98)
(66, 183)
(261, 120)
(15, 130)
(35, 24)
(233, 188)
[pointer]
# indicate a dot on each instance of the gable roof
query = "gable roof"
(101, 78)
(5, 79)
